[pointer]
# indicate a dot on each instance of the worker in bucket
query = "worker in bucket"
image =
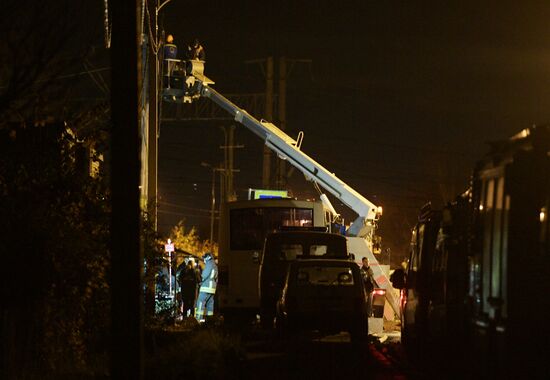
(170, 48)
(196, 51)
(170, 54)
(207, 290)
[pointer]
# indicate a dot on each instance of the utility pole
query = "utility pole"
(213, 209)
(151, 151)
(281, 167)
(154, 106)
(228, 167)
(153, 102)
(223, 194)
(126, 256)
(213, 196)
(266, 173)
(230, 190)
(152, 138)
(285, 67)
(268, 114)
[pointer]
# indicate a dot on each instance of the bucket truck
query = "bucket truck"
(360, 234)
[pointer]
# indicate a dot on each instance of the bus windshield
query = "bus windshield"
(249, 226)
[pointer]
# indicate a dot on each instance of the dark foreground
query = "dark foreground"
(220, 353)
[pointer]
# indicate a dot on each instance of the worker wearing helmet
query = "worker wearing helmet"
(207, 290)
(196, 51)
(170, 53)
(170, 49)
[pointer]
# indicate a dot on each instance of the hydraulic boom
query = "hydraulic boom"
(361, 230)
(287, 148)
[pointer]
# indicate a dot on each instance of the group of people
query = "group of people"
(194, 51)
(172, 64)
(198, 288)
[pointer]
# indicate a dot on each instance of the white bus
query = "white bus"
(243, 228)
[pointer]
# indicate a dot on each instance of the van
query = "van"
(326, 296)
(283, 247)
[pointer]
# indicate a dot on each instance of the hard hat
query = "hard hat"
(169, 38)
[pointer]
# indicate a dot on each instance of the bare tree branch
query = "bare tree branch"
(38, 43)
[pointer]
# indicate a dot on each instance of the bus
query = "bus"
(243, 228)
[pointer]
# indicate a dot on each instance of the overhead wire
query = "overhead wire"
(154, 43)
(99, 82)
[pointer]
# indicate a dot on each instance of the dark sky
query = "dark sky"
(399, 101)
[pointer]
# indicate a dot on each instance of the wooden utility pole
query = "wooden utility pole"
(266, 173)
(152, 129)
(230, 190)
(152, 138)
(126, 255)
(228, 164)
(281, 167)
(285, 67)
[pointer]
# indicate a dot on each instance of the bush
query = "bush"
(201, 354)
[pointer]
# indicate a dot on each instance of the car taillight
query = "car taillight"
(379, 292)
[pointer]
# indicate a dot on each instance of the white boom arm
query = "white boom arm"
(287, 148)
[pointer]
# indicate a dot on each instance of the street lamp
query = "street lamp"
(157, 10)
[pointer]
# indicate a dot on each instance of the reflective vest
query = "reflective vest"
(209, 277)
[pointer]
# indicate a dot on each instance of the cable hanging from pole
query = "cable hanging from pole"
(106, 24)
(154, 43)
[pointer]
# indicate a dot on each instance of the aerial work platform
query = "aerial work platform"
(181, 80)
(187, 83)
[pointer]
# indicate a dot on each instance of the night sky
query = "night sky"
(399, 101)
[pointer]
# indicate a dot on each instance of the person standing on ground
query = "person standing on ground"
(189, 280)
(209, 281)
(368, 279)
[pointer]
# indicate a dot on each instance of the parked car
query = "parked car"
(283, 247)
(323, 295)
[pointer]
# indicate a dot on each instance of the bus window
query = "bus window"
(249, 226)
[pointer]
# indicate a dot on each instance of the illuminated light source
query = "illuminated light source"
(268, 194)
(525, 133)
(542, 215)
(522, 134)
(480, 207)
(379, 292)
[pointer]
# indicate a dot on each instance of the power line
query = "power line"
(183, 207)
(185, 215)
